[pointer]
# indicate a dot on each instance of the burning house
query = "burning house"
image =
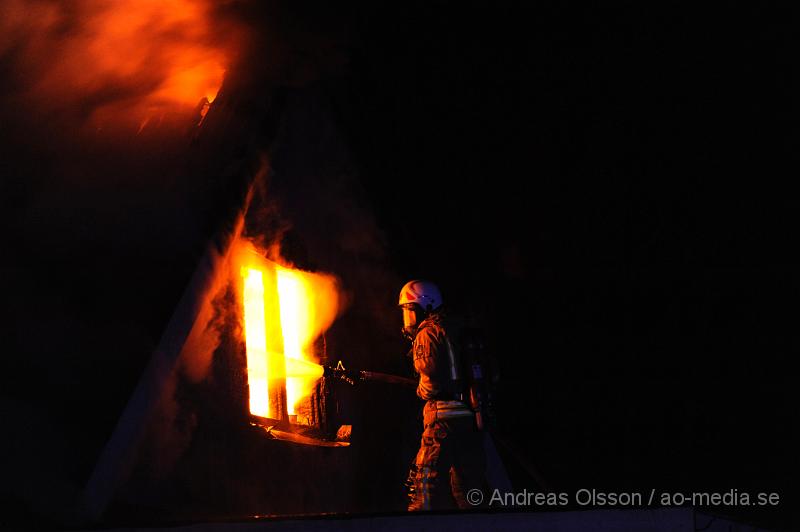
(235, 414)
(208, 205)
(214, 235)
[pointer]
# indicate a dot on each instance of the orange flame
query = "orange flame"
(297, 326)
(284, 312)
(130, 59)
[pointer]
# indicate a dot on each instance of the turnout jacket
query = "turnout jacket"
(432, 360)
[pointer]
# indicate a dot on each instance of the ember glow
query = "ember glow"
(284, 312)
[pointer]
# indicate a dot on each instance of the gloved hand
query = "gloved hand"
(339, 372)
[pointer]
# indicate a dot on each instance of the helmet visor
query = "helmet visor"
(409, 318)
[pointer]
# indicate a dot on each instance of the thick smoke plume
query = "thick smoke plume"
(104, 62)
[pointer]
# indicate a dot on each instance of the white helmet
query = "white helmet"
(417, 298)
(422, 293)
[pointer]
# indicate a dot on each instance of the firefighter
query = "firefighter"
(451, 459)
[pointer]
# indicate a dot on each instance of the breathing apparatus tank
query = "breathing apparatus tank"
(477, 377)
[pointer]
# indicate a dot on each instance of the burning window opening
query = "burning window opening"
(284, 312)
(202, 109)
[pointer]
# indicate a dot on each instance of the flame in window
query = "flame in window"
(256, 341)
(284, 312)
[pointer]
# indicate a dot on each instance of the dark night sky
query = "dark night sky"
(607, 188)
(612, 184)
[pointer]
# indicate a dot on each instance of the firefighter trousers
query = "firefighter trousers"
(450, 462)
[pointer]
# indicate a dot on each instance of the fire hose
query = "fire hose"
(352, 377)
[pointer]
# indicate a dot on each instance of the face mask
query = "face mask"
(409, 322)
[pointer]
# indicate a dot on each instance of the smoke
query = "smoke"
(129, 62)
(114, 218)
(102, 63)
(198, 351)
